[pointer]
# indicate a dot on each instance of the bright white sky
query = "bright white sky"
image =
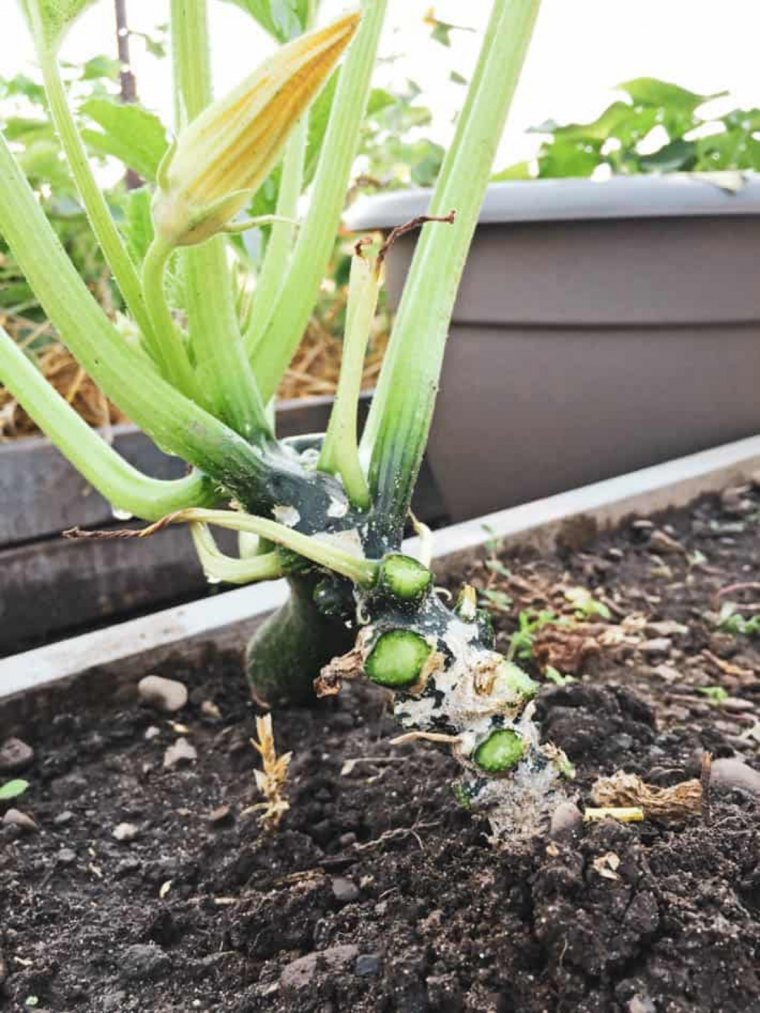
(581, 48)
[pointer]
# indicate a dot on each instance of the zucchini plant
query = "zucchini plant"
(326, 512)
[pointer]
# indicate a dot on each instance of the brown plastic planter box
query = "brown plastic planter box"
(600, 327)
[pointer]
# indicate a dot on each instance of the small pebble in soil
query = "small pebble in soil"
(179, 753)
(63, 818)
(566, 818)
(151, 732)
(344, 890)
(166, 695)
(658, 645)
(15, 755)
(665, 544)
(222, 814)
(125, 832)
(367, 965)
(299, 973)
(729, 772)
(66, 856)
(143, 961)
(16, 818)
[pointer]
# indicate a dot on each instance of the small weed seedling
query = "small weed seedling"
(731, 621)
(13, 789)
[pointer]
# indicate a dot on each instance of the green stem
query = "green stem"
(123, 486)
(174, 422)
(280, 245)
(340, 452)
(116, 255)
(168, 347)
(223, 369)
(226, 569)
(402, 409)
(311, 255)
(356, 568)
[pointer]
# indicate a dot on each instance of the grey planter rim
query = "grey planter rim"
(551, 200)
(122, 651)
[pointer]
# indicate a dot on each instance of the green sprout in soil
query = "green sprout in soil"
(716, 694)
(530, 622)
(326, 512)
(731, 621)
(13, 789)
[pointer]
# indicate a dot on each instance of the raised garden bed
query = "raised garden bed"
(379, 892)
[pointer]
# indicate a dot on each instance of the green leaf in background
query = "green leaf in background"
(55, 17)
(129, 132)
(652, 92)
(137, 224)
(520, 170)
(100, 67)
(12, 789)
(678, 156)
(283, 19)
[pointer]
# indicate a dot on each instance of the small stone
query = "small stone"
(15, 818)
(658, 645)
(15, 755)
(180, 753)
(665, 544)
(614, 553)
(728, 772)
(641, 1004)
(344, 890)
(66, 856)
(63, 818)
(143, 961)
(125, 832)
(299, 973)
(367, 965)
(734, 502)
(666, 628)
(642, 524)
(566, 818)
(736, 705)
(219, 815)
(210, 710)
(347, 840)
(166, 695)
(151, 732)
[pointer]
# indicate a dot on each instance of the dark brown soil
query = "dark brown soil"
(379, 892)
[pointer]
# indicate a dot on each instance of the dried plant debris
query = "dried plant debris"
(667, 805)
(271, 779)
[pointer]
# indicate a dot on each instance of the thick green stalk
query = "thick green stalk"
(402, 409)
(223, 369)
(311, 255)
(123, 486)
(175, 423)
(98, 213)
